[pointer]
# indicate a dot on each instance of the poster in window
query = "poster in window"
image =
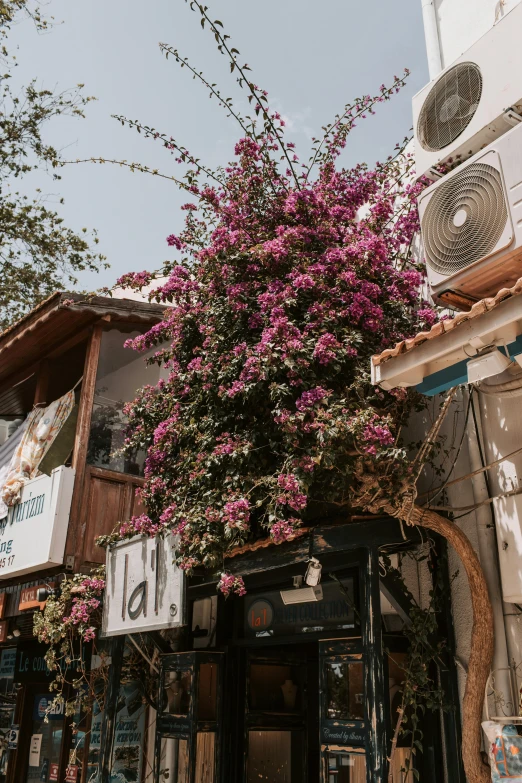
(129, 737)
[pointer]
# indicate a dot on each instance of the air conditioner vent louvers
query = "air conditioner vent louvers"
(450, 106)
(464, 218)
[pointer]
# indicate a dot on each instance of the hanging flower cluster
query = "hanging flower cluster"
(284, 289)
(74, 610)
(70, 620)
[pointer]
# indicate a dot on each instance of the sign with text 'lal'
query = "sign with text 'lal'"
(145, 591)
(33, 534)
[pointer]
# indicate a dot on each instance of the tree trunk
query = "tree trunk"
(482, 640)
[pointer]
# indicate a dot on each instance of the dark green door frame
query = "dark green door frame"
(373, 656)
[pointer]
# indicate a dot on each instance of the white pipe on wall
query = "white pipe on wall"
(487, 542)
(431, 33)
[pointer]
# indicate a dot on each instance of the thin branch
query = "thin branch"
(133, 167)
(348, 109)
(168, 142)
(166, 49)
(221, 40)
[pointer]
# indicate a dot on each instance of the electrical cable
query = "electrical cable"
(448, 476)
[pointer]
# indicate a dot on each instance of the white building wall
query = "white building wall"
(452, 438)
(462, 22)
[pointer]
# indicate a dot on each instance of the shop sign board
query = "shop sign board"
(34, 750)
(339, 734)
(28, 597)
(30, 665)
(33, 534)
(172, 724)
(267, 615)
(42, 709)
(145, 590)
(7, 663)
(4, 626)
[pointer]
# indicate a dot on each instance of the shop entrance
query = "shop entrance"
(281, 719)
(43, 757)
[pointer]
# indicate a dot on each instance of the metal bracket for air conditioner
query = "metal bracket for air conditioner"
(512, 117)
(434, 174)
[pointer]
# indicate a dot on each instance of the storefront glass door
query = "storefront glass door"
(46, 741)
(281, 728)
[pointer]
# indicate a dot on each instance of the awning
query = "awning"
(437, 360)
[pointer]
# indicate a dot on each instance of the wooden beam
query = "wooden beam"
(377, 532)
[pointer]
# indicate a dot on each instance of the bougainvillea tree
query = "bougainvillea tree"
(287, 277)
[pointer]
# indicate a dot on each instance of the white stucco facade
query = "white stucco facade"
(458, 24)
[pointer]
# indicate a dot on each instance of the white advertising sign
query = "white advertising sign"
(34, 750)
(33, 534)
(145, 591)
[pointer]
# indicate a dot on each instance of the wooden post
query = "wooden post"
(373, 655)
(42, 383)
(79, 458)
(108, 725)
(86, 399)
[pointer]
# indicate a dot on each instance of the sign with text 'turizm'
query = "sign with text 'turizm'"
(33, 534)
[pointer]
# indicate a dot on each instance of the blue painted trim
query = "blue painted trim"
(445, 379)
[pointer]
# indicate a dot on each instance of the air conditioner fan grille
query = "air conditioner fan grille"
(449, 107)
(464, 218)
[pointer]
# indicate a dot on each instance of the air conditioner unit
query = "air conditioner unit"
(471, 225)
(474, 101)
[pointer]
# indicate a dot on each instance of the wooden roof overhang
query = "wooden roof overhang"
(56, 323)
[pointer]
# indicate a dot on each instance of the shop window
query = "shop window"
(174, 760)
(188, 720)
(205, 754)
(121, 373)
(345, 690)
(276, 756)
(177, 687)
(46, 739)
(207, 691)
(129, 736)
(7, 705)
(275, 688)
(345, 767)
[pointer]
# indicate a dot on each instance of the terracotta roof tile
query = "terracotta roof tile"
(479, 308)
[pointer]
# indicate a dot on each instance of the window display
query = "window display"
(129, 737)
(274, 688)
(345, 690)
(188, 721)
(177, 687)
(346, 767)
(46, 739)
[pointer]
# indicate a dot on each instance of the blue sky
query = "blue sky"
(312, 57)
